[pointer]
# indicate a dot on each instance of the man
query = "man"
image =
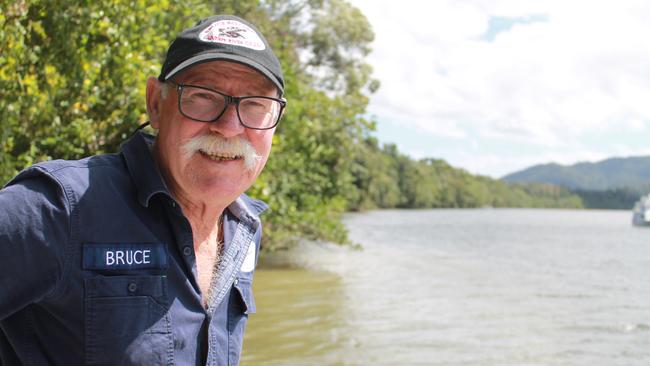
(146, 257)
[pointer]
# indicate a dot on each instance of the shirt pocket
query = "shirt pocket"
(127, 321)
(242, 303)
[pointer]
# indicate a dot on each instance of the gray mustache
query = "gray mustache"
(217, 145)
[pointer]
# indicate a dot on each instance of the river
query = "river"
(460, 287)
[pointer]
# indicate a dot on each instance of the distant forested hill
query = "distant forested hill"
(633, 172)
(611, 183)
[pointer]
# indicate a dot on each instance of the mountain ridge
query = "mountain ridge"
(609, 174)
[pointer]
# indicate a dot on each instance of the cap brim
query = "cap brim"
(212, 56)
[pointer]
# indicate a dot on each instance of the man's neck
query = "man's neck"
(204, 219)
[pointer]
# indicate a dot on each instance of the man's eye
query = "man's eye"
(204, 96)
(256, 104)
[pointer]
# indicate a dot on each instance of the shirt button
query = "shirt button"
(187, 251)
(132, 287)
(236, 281)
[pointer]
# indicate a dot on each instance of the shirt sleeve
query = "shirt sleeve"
(34, 233)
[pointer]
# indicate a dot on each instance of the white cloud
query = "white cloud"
(584, 67)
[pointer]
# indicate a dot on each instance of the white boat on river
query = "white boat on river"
(641, 215)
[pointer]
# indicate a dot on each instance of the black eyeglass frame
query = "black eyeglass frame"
(229, 100)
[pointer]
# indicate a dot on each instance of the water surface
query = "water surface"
(460, 287)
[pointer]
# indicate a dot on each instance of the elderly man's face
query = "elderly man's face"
(220, 171)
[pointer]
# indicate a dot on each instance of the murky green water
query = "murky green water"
(300, 321)
(460, 287)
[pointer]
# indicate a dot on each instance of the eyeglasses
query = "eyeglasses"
(206, 105)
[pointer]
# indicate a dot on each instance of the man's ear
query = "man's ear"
(154, 101)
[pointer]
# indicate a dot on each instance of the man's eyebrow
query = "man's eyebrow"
(259, 86)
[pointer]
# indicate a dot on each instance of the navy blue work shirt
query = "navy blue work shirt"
(97, 267)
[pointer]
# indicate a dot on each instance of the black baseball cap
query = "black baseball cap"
(226, 38)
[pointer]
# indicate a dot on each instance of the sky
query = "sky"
(496, 86)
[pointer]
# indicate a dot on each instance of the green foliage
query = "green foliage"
(384, 178)
(72, 73)
(337, 44)
(620, 198)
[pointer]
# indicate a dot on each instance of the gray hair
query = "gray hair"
(164, 91)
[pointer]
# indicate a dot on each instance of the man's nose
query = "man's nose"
(228, 124)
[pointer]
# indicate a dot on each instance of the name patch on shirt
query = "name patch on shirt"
(124, 256)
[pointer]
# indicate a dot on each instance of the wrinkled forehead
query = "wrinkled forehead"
(214, 71)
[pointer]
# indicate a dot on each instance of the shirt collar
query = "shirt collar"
(143, 168)
(149, 182)
(247, 209)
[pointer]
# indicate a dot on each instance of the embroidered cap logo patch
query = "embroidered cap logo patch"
(234, 33)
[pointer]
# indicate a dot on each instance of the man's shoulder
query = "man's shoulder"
(76, 174)
(99, 163)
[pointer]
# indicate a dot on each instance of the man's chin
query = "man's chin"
(224, 180)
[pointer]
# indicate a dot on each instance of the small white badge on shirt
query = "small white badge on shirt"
(249, 261)
(234, 33)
